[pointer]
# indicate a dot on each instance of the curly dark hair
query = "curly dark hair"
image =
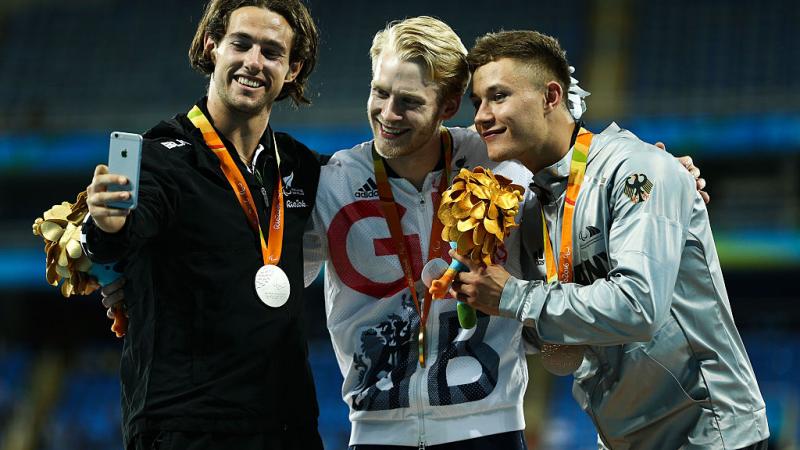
(304, 47)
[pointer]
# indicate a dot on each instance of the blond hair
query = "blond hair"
(431, 43)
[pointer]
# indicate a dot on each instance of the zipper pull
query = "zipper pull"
(421, 445)
(266, 198)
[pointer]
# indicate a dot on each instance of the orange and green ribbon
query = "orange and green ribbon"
(271, 254)
(577, 170)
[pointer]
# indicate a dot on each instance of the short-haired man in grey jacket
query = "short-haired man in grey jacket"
(621, 260)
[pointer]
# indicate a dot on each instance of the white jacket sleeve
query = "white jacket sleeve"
(646, 239)
(315, 247)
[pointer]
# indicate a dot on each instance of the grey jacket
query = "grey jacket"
(665, 367)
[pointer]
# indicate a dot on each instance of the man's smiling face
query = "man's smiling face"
(404, 108)
(251, 62)
(509, 110)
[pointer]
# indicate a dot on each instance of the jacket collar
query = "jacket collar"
(180, 126)
(551, 182)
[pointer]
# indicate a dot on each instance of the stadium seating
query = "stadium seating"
(87, 415)
(15, 364)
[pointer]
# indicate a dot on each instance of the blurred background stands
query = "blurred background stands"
(711, 78)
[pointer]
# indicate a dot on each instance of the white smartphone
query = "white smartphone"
(125, 158)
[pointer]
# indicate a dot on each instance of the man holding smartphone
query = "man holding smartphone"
(215, 355)
(402, 393)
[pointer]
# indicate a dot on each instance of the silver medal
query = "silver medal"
(272, 286)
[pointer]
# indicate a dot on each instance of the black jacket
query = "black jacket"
(202, 352)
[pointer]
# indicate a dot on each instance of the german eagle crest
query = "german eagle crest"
(638, 187)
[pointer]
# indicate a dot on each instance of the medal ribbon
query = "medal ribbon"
(271, 254)
(577, 170)
(396, 230)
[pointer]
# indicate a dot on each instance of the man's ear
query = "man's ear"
(553, 96)
(210, 48)
(450, 107)
(294, 70)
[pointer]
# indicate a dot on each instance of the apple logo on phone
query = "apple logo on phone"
(125, 153)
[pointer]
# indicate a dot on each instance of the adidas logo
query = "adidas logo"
(368, 190)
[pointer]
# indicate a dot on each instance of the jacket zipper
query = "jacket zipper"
(420, 410)
(418, 379)
(266, 199)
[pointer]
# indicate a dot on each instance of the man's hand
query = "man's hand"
(687, 163)
(481, 287)
(107, 219)
(114, 296)
(114, 301)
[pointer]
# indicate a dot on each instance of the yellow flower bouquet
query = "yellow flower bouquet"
(478, 212)
(65, 262)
